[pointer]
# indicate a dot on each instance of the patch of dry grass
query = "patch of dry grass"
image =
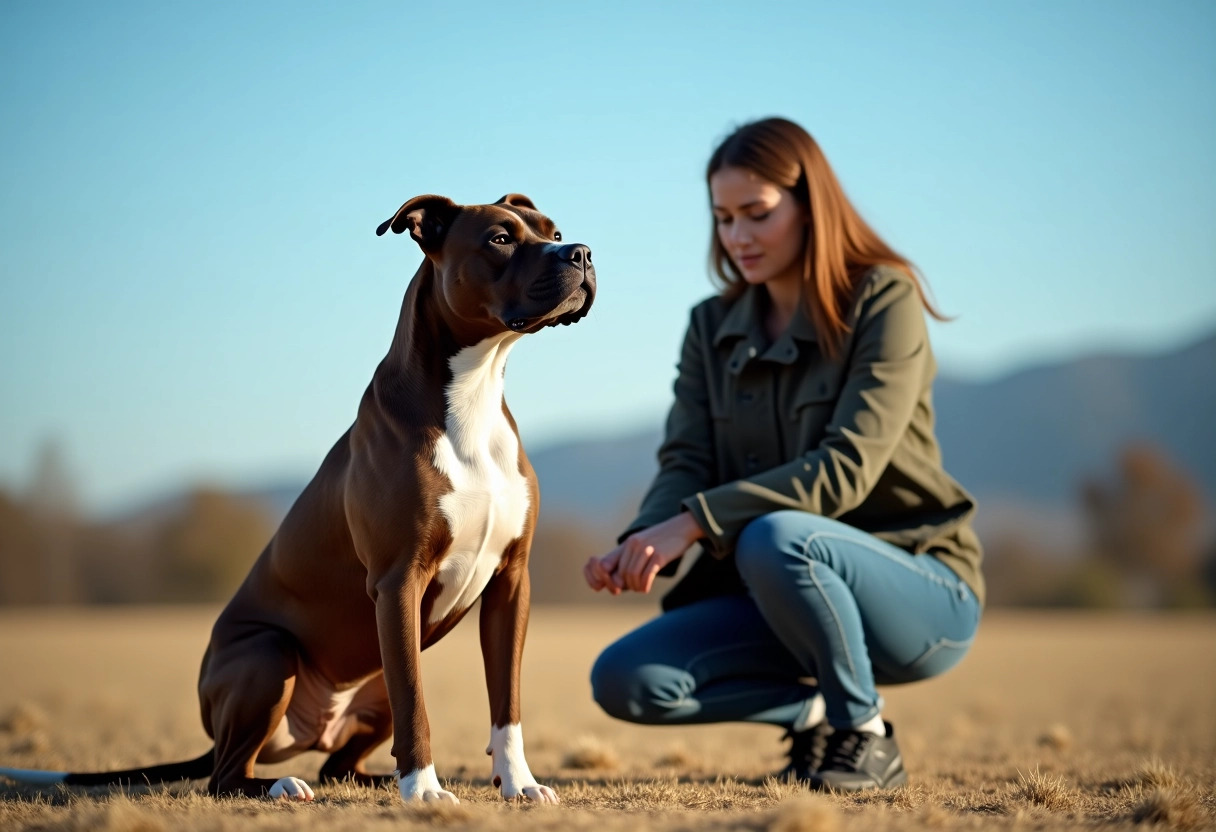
(1044, 790)
(117, 813)
(1174, 809)
(1057, 737)
(591, 754)
(1156, 774)
(904, 798)
(805, 813)
(22, 718)
(678, 756)
(984, 746)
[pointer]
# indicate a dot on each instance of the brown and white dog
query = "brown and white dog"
(426, 504)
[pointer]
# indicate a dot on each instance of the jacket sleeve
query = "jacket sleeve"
(686, 456)
(880, 391)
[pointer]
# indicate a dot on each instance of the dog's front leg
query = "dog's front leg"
(504, 623)
(398, 595)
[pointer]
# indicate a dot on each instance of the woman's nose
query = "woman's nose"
(739, 234)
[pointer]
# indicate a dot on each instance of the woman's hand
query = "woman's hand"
(635, 563)
(598, 571)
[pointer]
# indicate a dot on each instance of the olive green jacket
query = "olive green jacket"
(757, 427)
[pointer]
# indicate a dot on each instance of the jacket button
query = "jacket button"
(752, 462)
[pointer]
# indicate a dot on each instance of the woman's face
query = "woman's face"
(760, 225)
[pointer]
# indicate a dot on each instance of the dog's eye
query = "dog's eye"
(500, 239)
(557, 236)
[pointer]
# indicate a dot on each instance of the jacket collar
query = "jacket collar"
(745, 321)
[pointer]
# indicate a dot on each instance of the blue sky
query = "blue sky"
(191, 288)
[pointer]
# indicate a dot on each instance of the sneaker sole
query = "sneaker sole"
(897, 780)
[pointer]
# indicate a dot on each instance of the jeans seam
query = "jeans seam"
(938, 645)
(844, 642)
(810, 561)
(924, 573)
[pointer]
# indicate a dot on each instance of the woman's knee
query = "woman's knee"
(632, 691)
(615, 684)
(764, 548)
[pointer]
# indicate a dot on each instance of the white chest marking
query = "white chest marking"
(479, 453)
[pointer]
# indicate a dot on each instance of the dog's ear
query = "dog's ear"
(428, 218)
(518, 200)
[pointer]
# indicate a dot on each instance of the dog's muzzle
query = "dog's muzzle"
(567, 288)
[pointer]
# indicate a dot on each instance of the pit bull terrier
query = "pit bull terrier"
(425, 504)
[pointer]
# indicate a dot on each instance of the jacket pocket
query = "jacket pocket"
(813, 405)
(820, 385)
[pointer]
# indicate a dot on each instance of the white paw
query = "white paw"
(535, 793)
(439, 795)
(511, 773)
(291, 788)
(422, 784)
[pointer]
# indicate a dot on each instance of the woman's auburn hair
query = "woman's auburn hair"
(840, 248)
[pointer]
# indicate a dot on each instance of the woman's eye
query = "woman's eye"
(761, 217)
(722, 220)
(500, 239)
(557, 236)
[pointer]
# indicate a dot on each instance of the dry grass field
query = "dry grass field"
(1055, 721)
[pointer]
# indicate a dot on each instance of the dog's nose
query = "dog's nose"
(576, 253)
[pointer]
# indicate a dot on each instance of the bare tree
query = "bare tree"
(1148, 521)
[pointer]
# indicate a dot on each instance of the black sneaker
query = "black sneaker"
(858, 760)
(806, 751)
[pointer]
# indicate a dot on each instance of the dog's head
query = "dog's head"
(501, 267)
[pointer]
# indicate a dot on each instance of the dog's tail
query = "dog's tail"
(189, 770)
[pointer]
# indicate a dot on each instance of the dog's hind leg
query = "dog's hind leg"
(244, 688)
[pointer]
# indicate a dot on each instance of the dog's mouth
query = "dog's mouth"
(581, 300)
(573, 308)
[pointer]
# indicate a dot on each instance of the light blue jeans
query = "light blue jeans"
(825, 600)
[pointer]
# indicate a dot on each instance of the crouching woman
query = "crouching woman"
(799, 452)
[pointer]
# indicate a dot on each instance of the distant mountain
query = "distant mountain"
(1021, 444)
(599, 480)
(1034, 434)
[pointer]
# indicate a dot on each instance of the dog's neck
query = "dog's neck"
(423, 342)
(426, 354)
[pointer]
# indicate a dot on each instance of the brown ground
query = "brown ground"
(1055, 721)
